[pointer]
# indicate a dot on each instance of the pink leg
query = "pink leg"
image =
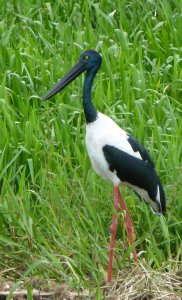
(114, 226)
(127, 219)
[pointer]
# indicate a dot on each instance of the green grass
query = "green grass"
(55, 212)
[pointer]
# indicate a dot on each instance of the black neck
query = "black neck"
(89, 109)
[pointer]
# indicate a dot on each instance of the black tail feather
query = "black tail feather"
(162, 198)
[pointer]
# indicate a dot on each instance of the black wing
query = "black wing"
(140, 173)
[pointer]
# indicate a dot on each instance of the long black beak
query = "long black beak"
(68, 78)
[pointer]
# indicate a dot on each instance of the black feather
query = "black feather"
(137, 147)
(131, 169)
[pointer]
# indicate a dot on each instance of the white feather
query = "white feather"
(144, 195)
(104, 131)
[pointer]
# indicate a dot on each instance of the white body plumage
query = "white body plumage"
(104, 131)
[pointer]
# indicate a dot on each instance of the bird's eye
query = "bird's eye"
(86, 57)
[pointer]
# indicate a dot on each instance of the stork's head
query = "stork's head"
(89, 60)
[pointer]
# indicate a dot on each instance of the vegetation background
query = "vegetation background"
(55, 212)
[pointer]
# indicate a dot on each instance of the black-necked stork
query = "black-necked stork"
(115, 155)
